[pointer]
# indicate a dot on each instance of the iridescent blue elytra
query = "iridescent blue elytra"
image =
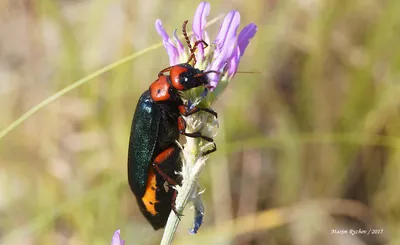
(154, 131)
(142, 142)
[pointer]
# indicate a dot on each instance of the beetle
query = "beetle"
(153, 154)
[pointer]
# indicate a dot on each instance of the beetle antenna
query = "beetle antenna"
(207, 72)
(194, 48)
(191, 50)
(185, 35)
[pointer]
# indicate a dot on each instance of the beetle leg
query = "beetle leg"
(197, 135)
(185, 112)
(162, 157)
(210, 151)
(173, 205)
(182, 127)
(207, 110)
(170, 180)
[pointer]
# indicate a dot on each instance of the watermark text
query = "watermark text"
(364, 232)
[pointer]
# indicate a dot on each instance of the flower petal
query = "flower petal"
(245, 35)
(160, 30)
(225, 46)
(179, 44)
(168, 44)
(116, 239)
(228, 29)
(199, 20)
(233, 62)
(199, 23)
(198, 214)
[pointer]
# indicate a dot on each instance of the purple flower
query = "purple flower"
(116, 239)
(199, 23)
(198, 214)
(243, 40)
(229, 47)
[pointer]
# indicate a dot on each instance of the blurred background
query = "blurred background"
(318, 125)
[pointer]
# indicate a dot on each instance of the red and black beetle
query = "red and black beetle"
(153, 154)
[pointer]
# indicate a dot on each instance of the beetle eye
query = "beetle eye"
(185, 79)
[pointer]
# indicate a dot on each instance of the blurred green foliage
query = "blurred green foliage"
(320, 121)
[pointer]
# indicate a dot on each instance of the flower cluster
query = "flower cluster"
(228, 46)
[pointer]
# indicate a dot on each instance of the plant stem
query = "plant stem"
(191, 168)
